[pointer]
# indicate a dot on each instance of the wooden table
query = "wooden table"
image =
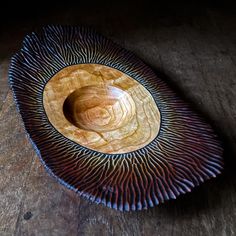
(196, 52)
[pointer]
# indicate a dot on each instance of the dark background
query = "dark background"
(192, 45)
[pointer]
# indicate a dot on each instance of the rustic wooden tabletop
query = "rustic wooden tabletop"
(196, 52)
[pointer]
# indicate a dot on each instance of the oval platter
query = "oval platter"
(104, 125)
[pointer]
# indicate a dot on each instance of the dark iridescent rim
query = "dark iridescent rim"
(185, 152)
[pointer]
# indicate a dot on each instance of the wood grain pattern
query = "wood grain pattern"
(198, 53)
(104, 109)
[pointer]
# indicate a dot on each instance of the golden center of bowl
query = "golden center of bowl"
(101, 108)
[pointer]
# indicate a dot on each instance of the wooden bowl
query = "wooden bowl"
(105, 125)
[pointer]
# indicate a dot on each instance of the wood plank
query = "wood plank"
(197, 55)
(3, 81)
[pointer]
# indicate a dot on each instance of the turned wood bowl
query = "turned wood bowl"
(104, 125)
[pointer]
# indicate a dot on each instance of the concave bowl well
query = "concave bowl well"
(105, 125)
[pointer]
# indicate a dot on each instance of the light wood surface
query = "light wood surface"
(101, 108)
